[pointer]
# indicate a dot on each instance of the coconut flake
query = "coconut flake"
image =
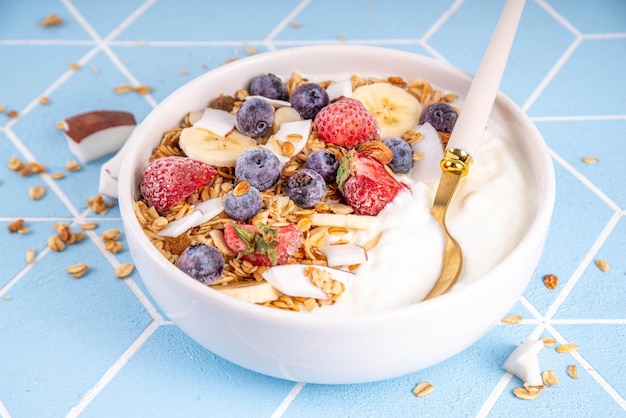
(428, 168)
(274, 102)
(524, 364)
(211, 207)
(217, 121)
(291, 280)
(177, 227)
(344, 255)
(287, 131)
(340, 88)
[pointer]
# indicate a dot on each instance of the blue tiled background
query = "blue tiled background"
(99, 347)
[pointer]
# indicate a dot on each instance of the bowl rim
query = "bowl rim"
(540, 220)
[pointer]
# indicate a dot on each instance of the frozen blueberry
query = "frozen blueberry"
(402, 159)
(255, 117)
(305, 187)
(308, 99)
(270, 86)
(258, 166)
(325, 163)
(441, 115)
(243, 202)
(202, 262)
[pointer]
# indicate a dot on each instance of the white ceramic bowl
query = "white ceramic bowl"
(334, 348)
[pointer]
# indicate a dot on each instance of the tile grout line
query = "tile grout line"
(582, 266)
(105, 48)
(112, 371)
(551, 74)
(291, 396)
(283, 23)
(606, 386)
(441, 20)
(4, 413)
(558, 17)
(130, 19)
(585, 181)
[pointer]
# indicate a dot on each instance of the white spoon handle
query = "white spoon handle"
(468, 131)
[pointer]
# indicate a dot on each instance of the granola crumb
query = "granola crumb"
(527, 394)
(295, 24)
(73, 166)
(123, 89)
(124, 270)
(550, 281)
(74, 67)
(548, 341)
(30, 256)
(590, 160)
(13, 114)
(16, 225)
(77, 270)
(37, 192)
(549, 378)
(143, 90)
(44, 100)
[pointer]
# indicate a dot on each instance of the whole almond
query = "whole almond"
(377, 150)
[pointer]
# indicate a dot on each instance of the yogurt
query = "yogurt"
(486, 217)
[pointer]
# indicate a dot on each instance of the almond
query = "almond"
(377, 150)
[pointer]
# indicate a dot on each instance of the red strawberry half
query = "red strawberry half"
(346, 123)
(262, 245)
(167, 180)
(366, 184)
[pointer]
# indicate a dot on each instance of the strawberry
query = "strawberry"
(167, 180)
(346, 123)
(366, 184)
(262, 245)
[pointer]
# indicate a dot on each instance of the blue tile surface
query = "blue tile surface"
(98, 346)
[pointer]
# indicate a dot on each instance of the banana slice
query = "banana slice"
(395, 110)
(251, 292)
(214, 149)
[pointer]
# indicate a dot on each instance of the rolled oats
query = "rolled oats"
(566, 348)
(549, 378)
(526, 394)
(572, 371)
(123, 89)
(30, 256)
(51, 20)
(73, 166)
(423, 389)
(124, 270)
(603, 265)
(36, 192)
(77, 270)
(15, 164)
(512, 319)
(56, 244)
(548, 341)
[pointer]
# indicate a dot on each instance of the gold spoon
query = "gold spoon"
(467, 134)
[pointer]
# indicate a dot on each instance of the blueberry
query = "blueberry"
(441, 115)
(308, 99)
(269, 86)
(402, 159)
(305, 187)
(325, 163)
(255, 117)
(243, 202)
(202, 262)
(258, 166)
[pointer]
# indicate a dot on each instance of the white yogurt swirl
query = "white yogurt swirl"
(487, 216)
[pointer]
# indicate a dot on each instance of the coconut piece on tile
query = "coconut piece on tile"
(524, 364)
(217, 121)
(92, 135)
